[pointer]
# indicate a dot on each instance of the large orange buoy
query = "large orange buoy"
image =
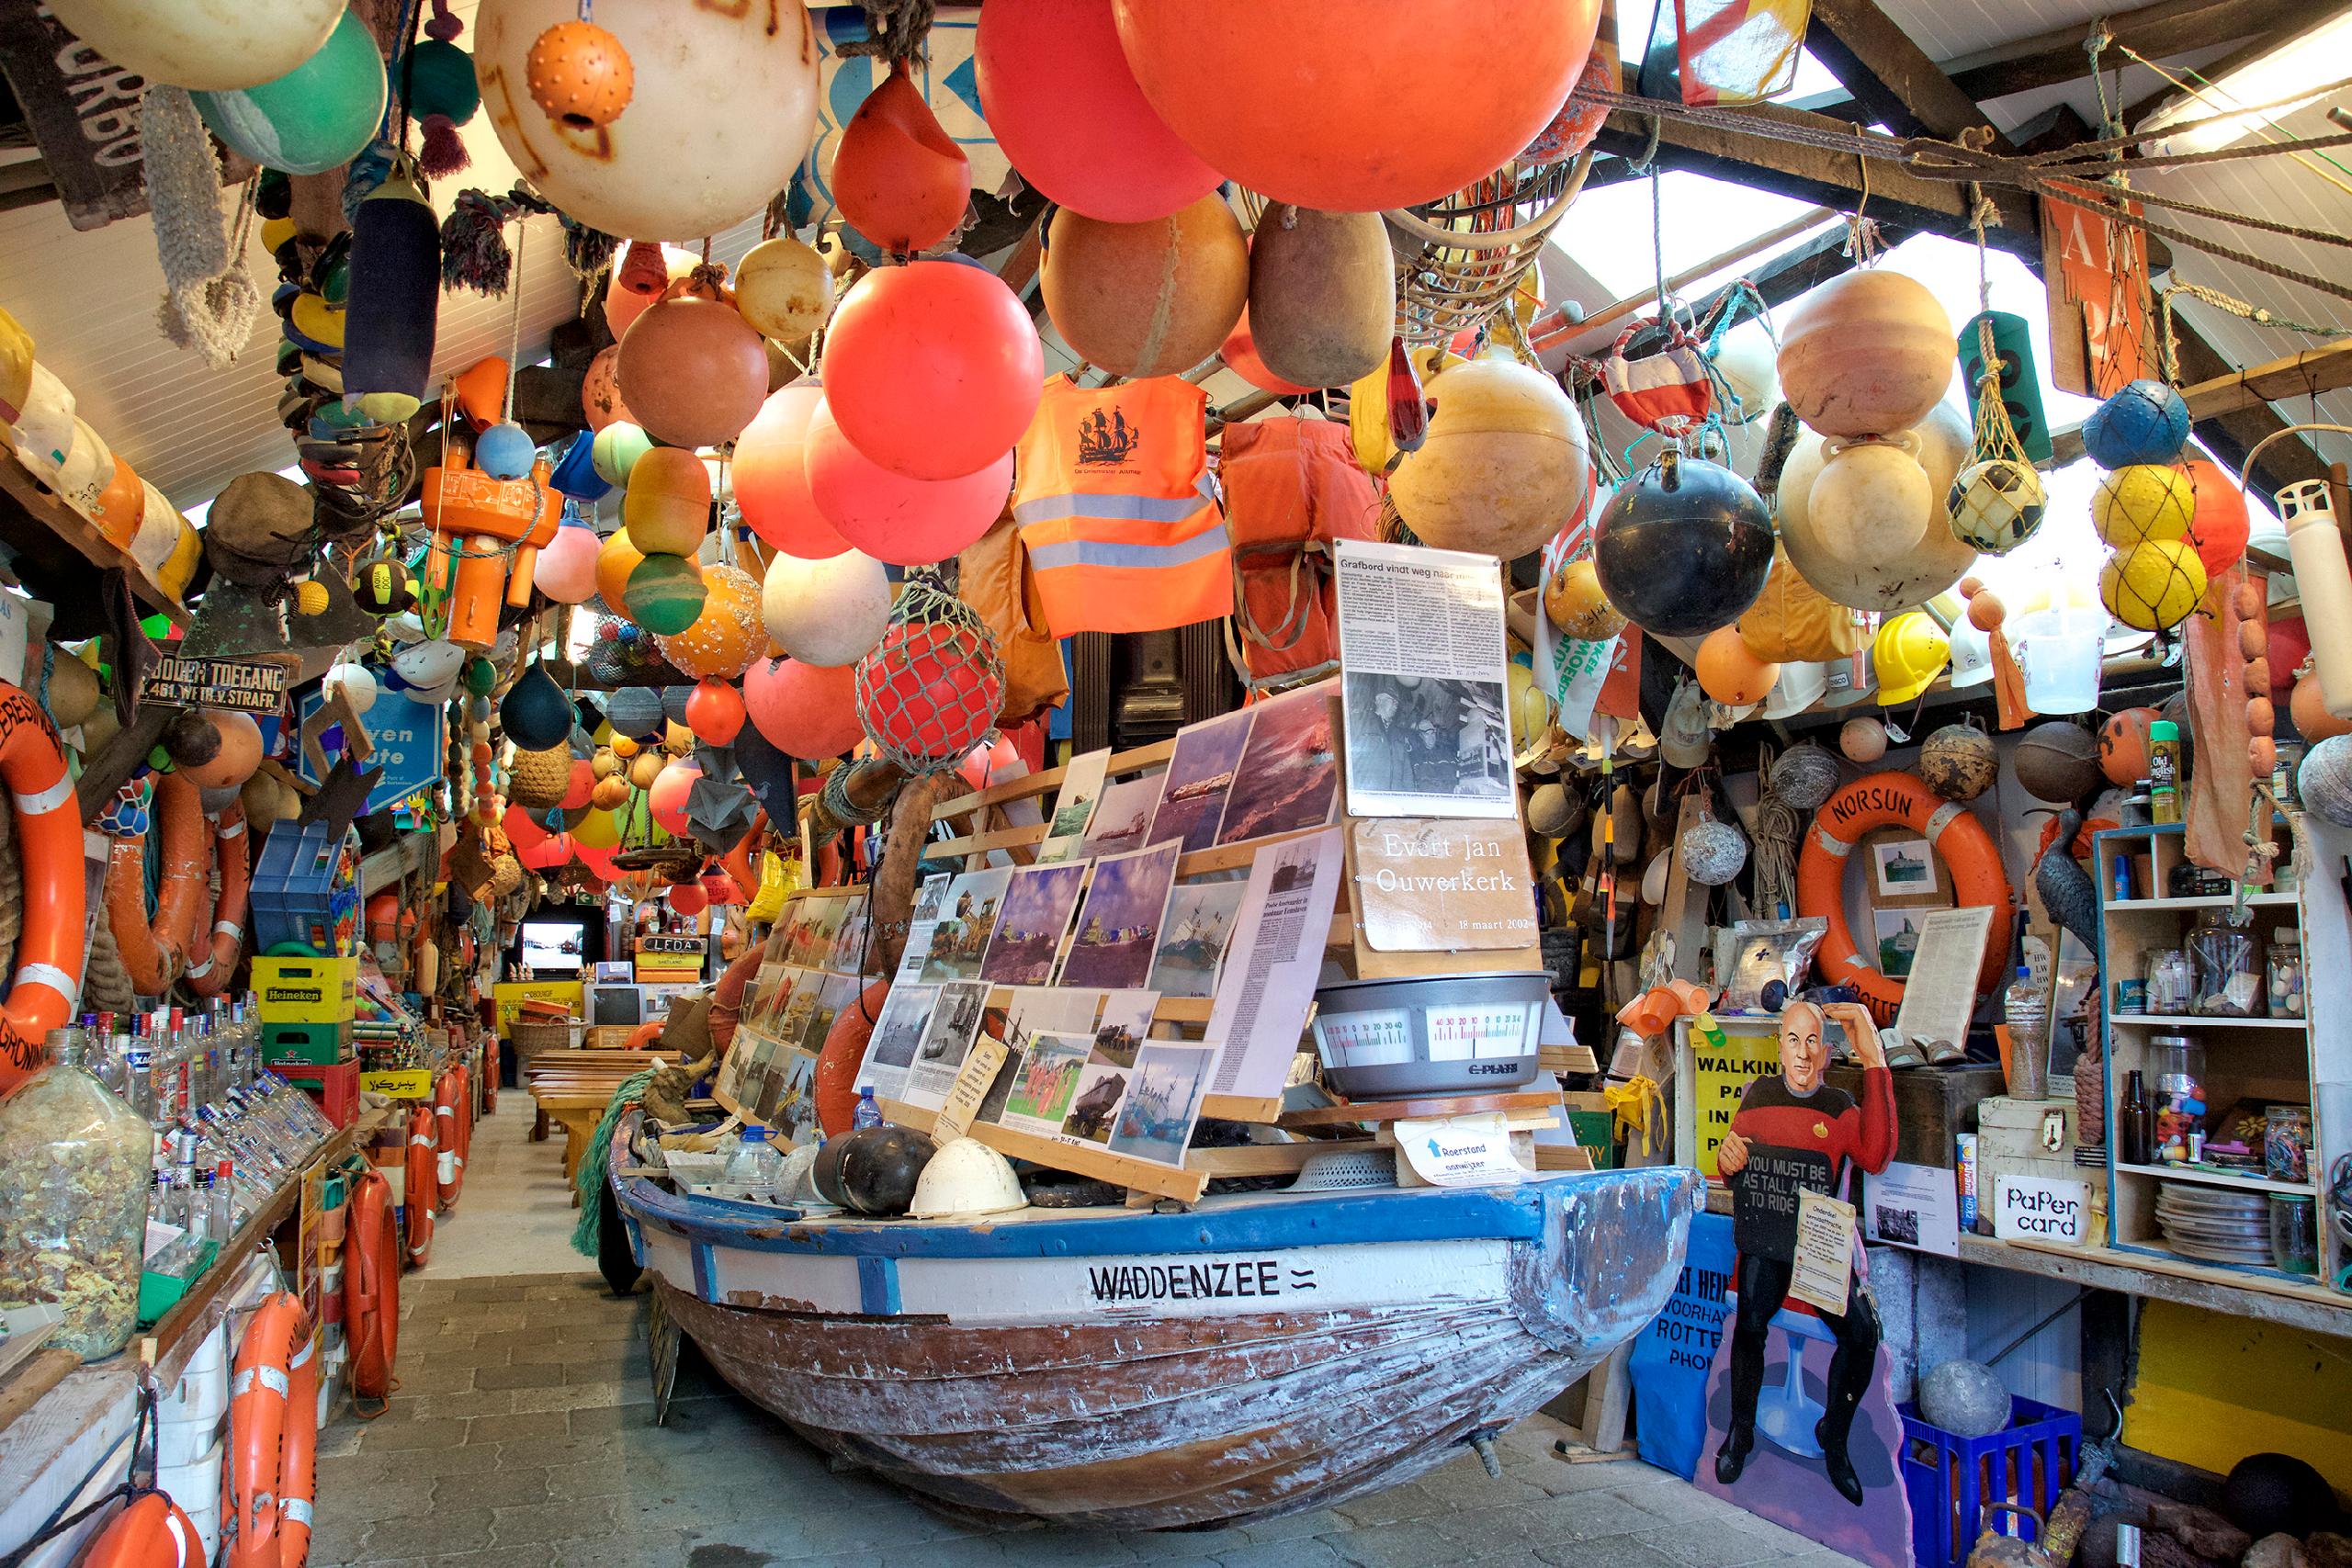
(152, 1532)
(835, 1090)
(1147, 299)
(1056, 89)
(693, 371)
(808, 711)
(727, 633)
(1323, 294)
(1730, 672)
(1867, 353)
(1397, 102)
(2123, 744)
(1503, 464)
(933, 369)
(2218, 531)
(898, 178)
(772, 477)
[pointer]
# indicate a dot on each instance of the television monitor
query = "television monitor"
(554, 943)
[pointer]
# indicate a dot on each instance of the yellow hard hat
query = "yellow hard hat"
(1910, 652)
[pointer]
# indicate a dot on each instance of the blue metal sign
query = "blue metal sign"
(409, 737)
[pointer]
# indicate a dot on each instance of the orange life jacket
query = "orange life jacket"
(1292, 486)
(1117, 510)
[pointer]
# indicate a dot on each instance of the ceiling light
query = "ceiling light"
(2268, 87)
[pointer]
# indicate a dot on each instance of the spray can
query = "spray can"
(1967, 1182)
(2164, 771)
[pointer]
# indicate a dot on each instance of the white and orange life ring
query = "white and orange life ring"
(152, 1532)
(421, 1183)
(453, 1126)
(1896, 800)
(232, 853)
(274, 1437)
(156, 949)
(50, 951)
(371, 1288)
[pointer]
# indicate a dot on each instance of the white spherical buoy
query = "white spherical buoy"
(357, 684)
(829, 611)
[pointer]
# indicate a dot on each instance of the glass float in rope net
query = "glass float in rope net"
(929, 692)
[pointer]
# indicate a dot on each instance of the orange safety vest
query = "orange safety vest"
(1117, 509)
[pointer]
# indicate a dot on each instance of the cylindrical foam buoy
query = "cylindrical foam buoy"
(395, 298)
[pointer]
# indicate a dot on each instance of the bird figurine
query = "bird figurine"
(2066, 889)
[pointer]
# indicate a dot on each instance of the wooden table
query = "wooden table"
(572, 1090)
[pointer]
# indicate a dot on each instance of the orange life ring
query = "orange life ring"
(273, 1437)
(642, 1037)
(50, 951)
(371, 1288)
(421, 1189)
(232, 853)
(1896, 800)
(156, 949)
(152, 1532)
(451, 1135)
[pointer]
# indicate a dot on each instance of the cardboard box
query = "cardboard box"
(315, 1045)
(306, 990)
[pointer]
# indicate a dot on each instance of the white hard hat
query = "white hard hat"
(1972, 654)
(966, 1178)
(1851, 680)
(86, 471)
(1802, 685)
(43, 432)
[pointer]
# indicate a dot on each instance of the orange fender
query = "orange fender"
(232, 853)
(643, 1036)
(50, 954)
(844, 1053)
(726, 1000)
(1897, 800)
(264, 1424)
(421, 1189)
(371, 1288)
(152, 1532)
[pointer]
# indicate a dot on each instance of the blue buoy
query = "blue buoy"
(2145, 423)
(505, 452)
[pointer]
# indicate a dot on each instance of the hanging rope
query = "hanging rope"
(899, 29)
(2260, 315)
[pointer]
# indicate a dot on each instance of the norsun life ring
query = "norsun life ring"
(273, 1437)
(371, 1290)
(50, 951)
(1897, 800)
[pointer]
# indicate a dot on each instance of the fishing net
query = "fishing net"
(1997, 500)
(929, 692)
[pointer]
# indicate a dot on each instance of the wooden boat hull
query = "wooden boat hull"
(1256, 1356)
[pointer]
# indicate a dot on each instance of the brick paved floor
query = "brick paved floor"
(522, 1438)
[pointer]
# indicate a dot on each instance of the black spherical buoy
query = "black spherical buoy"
(1683, 547)
(2271, 1494)
(534, 714)
(871, 1170)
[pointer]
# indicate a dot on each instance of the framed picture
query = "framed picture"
(1897, 933)
(1903, 868)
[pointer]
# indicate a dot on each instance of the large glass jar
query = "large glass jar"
(2229, 967)
(74, 1174)
(2182, 1104)
(2286, 973)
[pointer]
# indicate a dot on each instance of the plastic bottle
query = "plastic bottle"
(754, 1162)
(2025, 1007)
(868, 1114)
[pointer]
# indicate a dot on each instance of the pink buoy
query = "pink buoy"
(891, 517)
(809, 711)
(667, 798)
(772, 477)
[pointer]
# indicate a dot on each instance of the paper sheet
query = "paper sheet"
(1940, 992)
(1461, 1151)
(1825, 1260)
(1273, 962)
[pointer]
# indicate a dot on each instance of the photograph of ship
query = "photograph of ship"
(960, 941)
(900, 1029)
(1093, 1109)
(1155, 1121)
(1288, 778)
(1123, 817)
(1192, 944)
(1118, 930)
(1029, 927)
(1082, 788)
(1047, 1082)
(954, 1020)
(1192, 803)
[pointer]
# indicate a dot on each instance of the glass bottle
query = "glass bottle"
(2229, 967)
(2180, 1096)
(2132, 1134)
(2284, 972)
(73, 1163)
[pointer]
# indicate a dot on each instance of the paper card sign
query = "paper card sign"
(407, 739)
(2030, 1208)
(1427, 885)
(1461, 1151)
(1825, 1266)
(404, 1083)
(236, 684)
(973, 1081)
(694, 944)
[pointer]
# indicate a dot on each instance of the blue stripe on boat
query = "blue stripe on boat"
(878, 1285)
(705, 1260)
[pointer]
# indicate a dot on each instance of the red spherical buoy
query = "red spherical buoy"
(772, 478)
(2218, 529)
(808, 711)
(582, 783)
(687, 898)
(521, 831)
(1056, 89)
(929, 690)
(1399, 102)
(715, 711)
(667, 798)
(693, 371)
(898, 178)
(890, 517)
(933, 369)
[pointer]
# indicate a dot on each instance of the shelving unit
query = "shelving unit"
(2264, 1060)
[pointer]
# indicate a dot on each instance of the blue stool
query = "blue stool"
(1785, 1414)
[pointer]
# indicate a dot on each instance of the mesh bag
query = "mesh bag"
(928, 692)
(1997, 500)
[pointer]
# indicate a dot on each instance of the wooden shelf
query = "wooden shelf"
(2201, 1176)
(36, 502)
(2202, 901)
(2205, 1021)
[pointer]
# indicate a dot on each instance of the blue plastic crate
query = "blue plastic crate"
(1953, 1479)
(306, 888)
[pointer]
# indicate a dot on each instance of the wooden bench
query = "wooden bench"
(573, 1094)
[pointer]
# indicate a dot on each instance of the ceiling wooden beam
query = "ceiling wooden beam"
(2327, 368)
(1888, 74)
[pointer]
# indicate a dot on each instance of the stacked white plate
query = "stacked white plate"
(2216, 1224)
